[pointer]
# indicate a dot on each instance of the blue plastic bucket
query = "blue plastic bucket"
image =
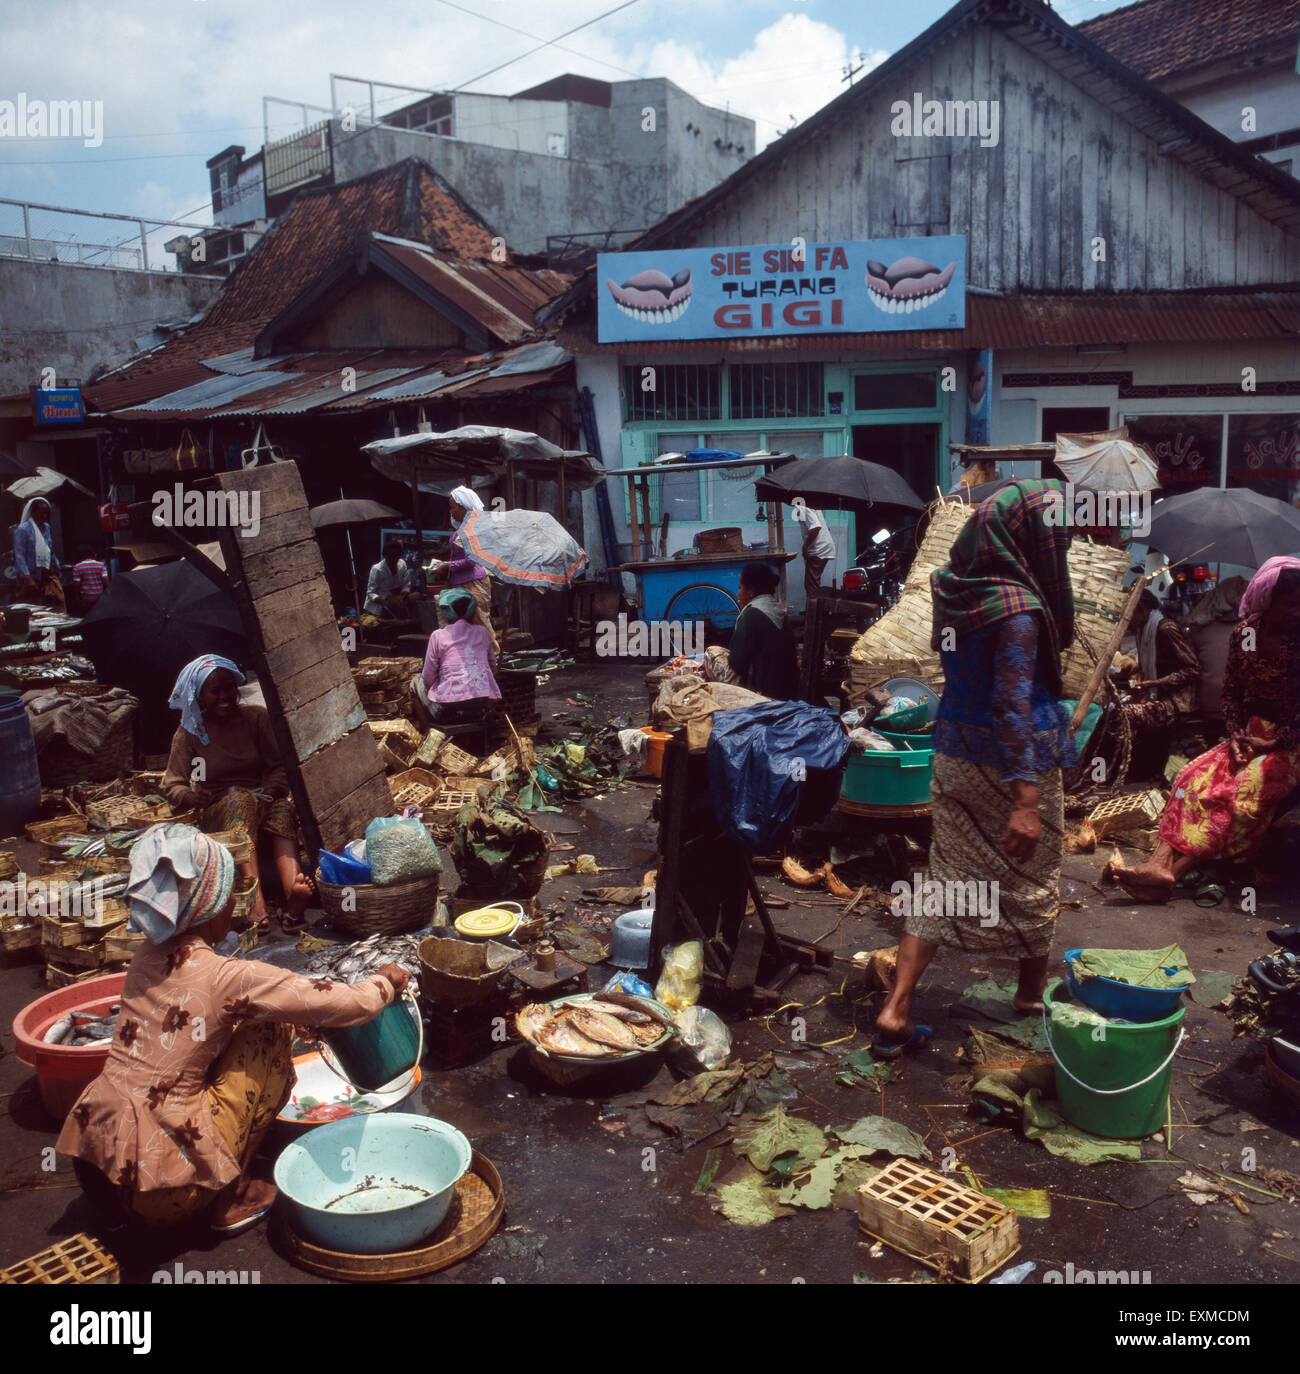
(20, 778)
(1122, 1001)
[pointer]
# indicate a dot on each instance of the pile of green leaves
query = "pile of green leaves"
(1140, 968)
(788, 1163)
(572, 769)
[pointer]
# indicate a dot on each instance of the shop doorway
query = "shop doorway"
(911, 450)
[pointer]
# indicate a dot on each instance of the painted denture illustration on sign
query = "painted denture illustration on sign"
(652, 296)
(907, 284)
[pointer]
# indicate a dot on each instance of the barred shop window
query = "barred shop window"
(682, 391)
(774, 391)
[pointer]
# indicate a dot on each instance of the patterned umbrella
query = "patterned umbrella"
(526, 547)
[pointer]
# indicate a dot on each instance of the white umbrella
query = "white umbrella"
(1107, 461)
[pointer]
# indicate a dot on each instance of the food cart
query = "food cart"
(697, 585)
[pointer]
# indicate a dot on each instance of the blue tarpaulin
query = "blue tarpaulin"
(772, 767)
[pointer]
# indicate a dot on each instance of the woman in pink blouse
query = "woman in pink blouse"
(458, 679)
(200, 1063)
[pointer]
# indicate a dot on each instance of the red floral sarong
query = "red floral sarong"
(1214, 812)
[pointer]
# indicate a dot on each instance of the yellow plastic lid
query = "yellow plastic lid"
(489, 921)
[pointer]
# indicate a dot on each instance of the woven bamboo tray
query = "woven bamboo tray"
(8, 864)
(80, 956)
(237, 841)
(414, 787)
(938, 1222)
(126, 813)
(245, 894)
(426, 755)
(60, 976)
(92, 864)
(449, 801)
(400, 735)
(78, 1259)
(42, 832)
(477, 1207)
(16, 938)
(516, 756)
(392, 909)
(1135, 811)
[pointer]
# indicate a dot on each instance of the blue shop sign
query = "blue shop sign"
(864, 287)
(59, 405)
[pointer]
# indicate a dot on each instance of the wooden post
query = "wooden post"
(1102, 666)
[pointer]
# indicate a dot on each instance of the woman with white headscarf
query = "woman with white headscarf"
(36, 565)
(200, 1062)
(225, 764)
(462, 571)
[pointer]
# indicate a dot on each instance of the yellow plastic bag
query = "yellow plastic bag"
(679, 983)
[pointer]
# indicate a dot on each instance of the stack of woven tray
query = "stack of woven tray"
(383, 684)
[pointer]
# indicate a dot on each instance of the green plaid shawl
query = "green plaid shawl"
(1007, 560)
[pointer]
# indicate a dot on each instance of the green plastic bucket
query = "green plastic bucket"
(1112, 1080)
(380, 1051)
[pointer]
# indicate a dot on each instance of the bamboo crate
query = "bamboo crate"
(400, 735)
(518, 755)
(8, 864)
(448, 802)
(453, 759)
(414, 787)
(245, 896)
(78, 1259)
(61, 935)
(1135, 811)
(938, 1222)
(80, 956)
(15, 938)
(103, 864)
(45, 832)
(394, 762)
(61, 976)
(427, 754)
(121, 944)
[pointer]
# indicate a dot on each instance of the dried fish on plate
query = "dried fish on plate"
(591, 1029)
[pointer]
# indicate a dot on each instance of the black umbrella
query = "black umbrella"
(152, 621)
(837, 482)
(1224, 525)
(351, 512)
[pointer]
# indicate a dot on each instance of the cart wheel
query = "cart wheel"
(704, 601)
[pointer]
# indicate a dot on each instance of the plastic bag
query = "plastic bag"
(705, 1034)
(629, 983)
(679, 983)
(343, 870)
(399, 850)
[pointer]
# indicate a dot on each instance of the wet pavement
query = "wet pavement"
(612, 1199)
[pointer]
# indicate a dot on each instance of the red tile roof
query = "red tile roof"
(408, 200)
(1162, 38)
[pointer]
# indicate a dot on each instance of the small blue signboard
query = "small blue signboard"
(58, 405)
(861, 287)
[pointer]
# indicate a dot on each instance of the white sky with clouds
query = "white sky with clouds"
(182, 79)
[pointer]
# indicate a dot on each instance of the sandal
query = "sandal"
(291, 925)
(1210, 894)
(918, 1040)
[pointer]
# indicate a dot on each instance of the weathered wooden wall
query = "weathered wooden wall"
(1066, 168)
(335, 771)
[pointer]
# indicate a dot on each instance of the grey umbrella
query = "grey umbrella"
(351, 511)
(836, 482)
(1224, 525)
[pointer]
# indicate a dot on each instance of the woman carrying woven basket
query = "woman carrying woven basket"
(200, 1062)
(225, 764)
(1003, 612)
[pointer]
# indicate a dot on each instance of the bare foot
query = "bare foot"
(250, 1197)
(1028, 1003)
(300, 897)
(1146, 882)
(891, 1027)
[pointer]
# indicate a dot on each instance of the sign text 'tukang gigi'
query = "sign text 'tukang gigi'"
(856, 287)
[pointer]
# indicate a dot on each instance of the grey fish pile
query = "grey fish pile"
(77, 1028)
(352, 963)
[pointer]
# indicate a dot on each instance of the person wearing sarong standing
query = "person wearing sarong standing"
(1224, 801)
(200, 1062)
(1003, 612)
(225, 763)
(461, 571)
(36, 565)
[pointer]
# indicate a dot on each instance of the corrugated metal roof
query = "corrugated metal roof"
(485, 296)
(215, 393)
(1028, 322)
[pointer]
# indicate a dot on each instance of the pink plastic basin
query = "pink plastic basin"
(63, 1071)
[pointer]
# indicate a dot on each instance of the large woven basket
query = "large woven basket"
(61, 765)
(392, 909)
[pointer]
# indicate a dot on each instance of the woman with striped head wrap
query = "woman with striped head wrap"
(200, 1062)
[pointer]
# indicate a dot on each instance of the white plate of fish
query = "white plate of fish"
(595, 1027)
(319, 1095)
